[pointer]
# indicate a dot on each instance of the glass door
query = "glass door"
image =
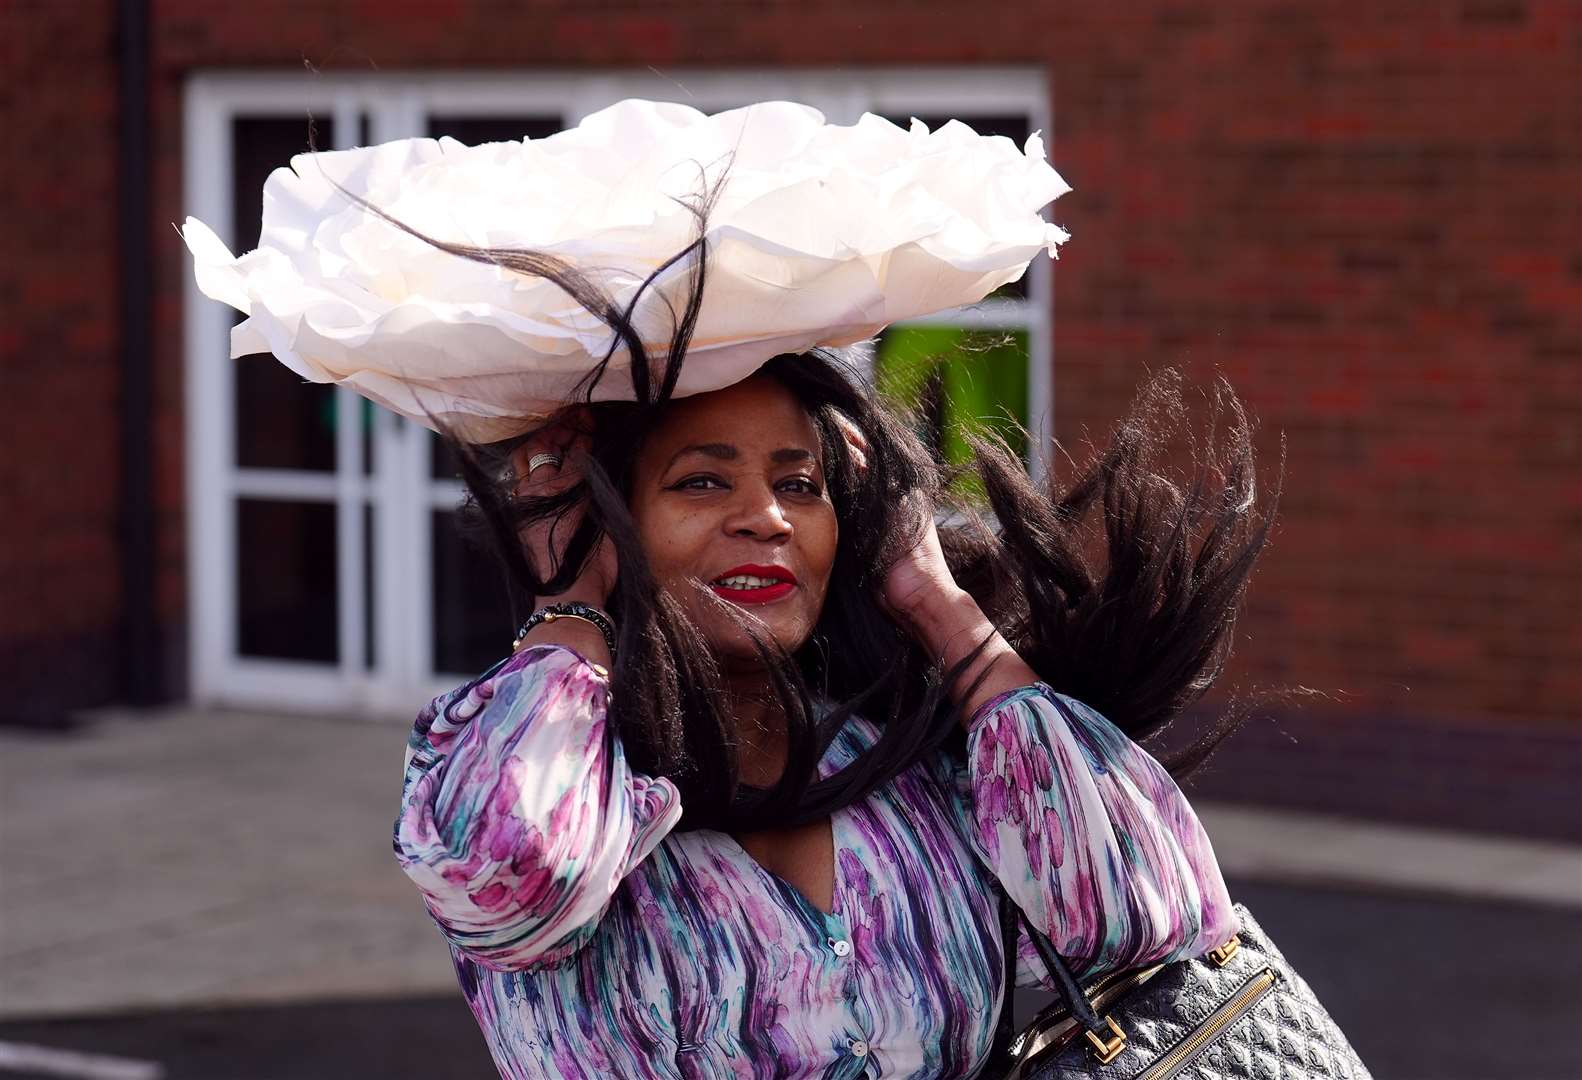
(281, 499)
(287, 455)
(329, 567)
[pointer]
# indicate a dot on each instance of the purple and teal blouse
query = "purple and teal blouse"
(593, 940)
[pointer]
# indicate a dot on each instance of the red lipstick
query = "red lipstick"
(753, 583)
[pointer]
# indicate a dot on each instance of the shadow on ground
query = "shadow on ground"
(1427, 988)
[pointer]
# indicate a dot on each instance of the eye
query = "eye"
(802, 485)
(697, 482)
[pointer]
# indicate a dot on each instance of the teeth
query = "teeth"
(746, 581)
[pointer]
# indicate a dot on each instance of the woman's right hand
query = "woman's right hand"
(546, 540)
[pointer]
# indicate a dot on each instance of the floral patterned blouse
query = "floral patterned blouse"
(592, 940)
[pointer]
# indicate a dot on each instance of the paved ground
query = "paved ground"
(1501, 1002)
(205, 858)
(213, 895)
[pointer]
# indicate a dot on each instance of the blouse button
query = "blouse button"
(858, 1048)
(840, 948)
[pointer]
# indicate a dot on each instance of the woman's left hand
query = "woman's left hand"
(918, 587)
(920, 593)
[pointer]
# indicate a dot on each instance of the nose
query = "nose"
(755, 513)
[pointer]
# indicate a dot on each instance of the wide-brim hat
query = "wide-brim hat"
(818, 234)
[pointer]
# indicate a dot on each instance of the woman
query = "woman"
(746, 797)
(847, 929)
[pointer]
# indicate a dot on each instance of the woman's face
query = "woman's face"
(730, 501)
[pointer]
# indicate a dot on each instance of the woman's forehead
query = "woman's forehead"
(757, 415)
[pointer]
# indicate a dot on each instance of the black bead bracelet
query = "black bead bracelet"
(574, 609)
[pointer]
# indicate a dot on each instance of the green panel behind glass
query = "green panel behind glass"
(956, 381)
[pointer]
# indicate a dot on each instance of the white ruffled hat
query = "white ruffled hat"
(822, 235)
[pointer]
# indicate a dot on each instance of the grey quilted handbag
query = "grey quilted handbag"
(1239, 1013)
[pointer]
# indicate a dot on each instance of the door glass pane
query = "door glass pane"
(473, 130)
(472, 612)
(1014, 126)
(953, 382)
(366, 421)
(286, 580)
(442, 463)
(281, 422)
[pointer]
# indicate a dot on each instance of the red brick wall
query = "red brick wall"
(59, 381)
(1366, 215)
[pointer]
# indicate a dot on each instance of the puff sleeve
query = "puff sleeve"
(1090, 836)
(519, 814)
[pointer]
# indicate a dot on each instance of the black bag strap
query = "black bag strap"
(1101, 1033)
(1065, 982)
(1005, 1030)
(1012, 921)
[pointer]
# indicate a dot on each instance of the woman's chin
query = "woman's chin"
(735, 647)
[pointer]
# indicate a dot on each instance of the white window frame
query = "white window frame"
(397, 105)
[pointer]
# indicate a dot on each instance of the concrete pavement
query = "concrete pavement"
(213, 859)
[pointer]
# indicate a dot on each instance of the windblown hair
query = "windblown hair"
(1119, 588)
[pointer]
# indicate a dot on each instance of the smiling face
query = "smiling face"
(729, 497)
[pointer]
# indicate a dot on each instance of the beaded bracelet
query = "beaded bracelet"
(571, 610)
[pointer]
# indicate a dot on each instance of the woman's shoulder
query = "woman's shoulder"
(536, 668)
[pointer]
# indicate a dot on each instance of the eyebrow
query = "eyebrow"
(727, 452)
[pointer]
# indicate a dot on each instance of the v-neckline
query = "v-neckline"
(784, 886)
(826, 767)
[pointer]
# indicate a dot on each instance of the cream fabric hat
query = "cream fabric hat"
(822, 234)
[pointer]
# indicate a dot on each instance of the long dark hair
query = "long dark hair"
(1120, 587)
